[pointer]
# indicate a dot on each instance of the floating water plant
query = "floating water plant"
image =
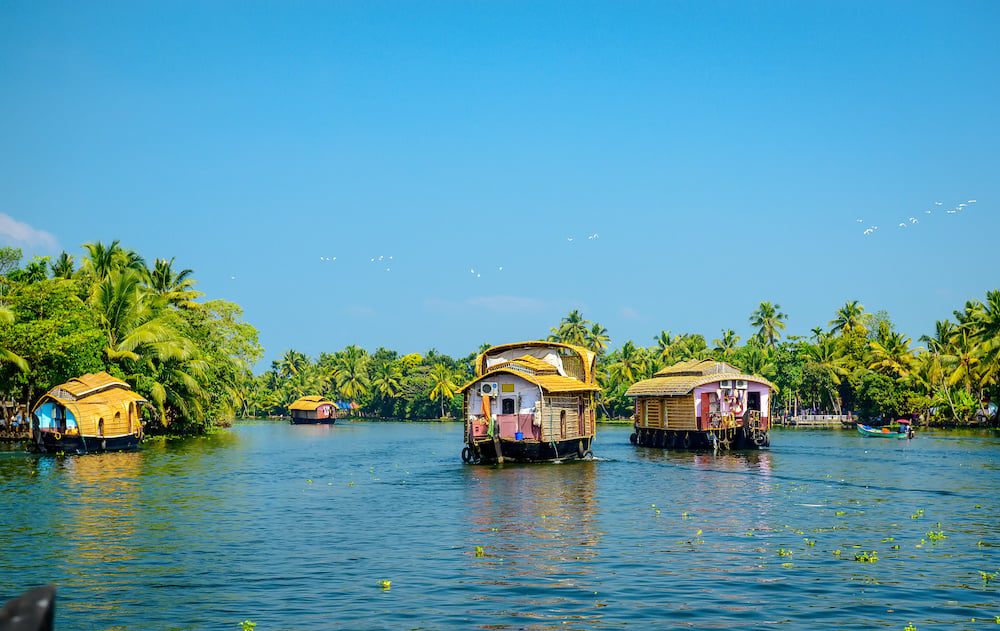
(988, 576)
(480, 552)
(384, 584)
(840, 513)
(810, 542)
(936, 536)
(866, 557)
(246, 625)
(784, 553)
(910, 627)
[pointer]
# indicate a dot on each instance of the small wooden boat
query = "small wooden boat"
(530, 402)
(92, 413)
(313, 409)
(902, 430)
(702, 404)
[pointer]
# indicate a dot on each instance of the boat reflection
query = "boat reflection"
(533, 535)
(98, 535)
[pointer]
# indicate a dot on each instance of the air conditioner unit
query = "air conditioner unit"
(488, 389)
(726, 384)
(741, 384)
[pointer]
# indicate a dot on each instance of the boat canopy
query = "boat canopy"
(682, 378)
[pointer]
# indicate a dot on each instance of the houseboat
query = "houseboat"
(95, 412)
(702, 404)
(313, 409)
(530, 402)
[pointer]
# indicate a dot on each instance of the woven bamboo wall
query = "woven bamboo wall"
(552, 428)
(649, 411)
(680, 412)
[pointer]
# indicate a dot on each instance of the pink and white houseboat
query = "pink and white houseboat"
(530, 402)
(702, 404)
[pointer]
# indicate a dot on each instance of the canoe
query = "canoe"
(865, 430)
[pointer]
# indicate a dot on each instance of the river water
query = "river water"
(295, 527)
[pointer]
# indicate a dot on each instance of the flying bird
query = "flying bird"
(593, 236)
(937, 203)
(902, 225)
(913, 220)
(951, 212)
(972, 201)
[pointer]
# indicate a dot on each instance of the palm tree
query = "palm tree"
(573, 329)
(769, 320)
(826, 356)
(386, 379)
(664, 349)
(292, 363)
(850, 317)
(631, 365)
(7, 356)
(597, 339)
(63, 266)
(100, 260)
(817, 333)
(130, 323)
(690, 346)
(725, 345)
(350, 373)
(177, 288)
(894, 356)
(444, 385)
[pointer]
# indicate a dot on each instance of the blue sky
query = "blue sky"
(702, 156)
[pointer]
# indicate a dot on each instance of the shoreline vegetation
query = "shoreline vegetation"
(112, 311)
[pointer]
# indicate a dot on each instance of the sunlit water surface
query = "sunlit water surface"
(295, 527)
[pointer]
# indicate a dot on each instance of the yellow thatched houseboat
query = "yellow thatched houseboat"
(95, 412)
(313, 409)
(530, 402)
(702, 404)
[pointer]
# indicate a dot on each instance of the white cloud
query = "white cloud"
(17, 234)
(628, 313)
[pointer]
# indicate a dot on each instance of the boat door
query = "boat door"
(753, 401)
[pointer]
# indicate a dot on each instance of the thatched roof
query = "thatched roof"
(93, 397)
(682, 378)
(102, 405)
(80, 387)
(310, 403)
(528, 364)
(548, 383)
(586, 356)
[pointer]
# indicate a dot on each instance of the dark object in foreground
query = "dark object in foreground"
(31, 611)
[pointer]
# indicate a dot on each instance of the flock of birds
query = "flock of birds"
(913, 220)
(383, 259)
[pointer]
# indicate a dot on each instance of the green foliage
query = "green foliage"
(190, 361)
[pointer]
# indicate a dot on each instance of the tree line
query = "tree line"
(857, 362)
(114, 312)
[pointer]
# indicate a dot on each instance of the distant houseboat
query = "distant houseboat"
(530, 402)
(95, 412)
(313, 409)
(702, 404)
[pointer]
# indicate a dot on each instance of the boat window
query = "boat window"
(508, 406)
(562, 423)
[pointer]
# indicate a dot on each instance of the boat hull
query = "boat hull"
(54, 442)
(723, 439)
(312, 421)
(484, 451)
(865, 430)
